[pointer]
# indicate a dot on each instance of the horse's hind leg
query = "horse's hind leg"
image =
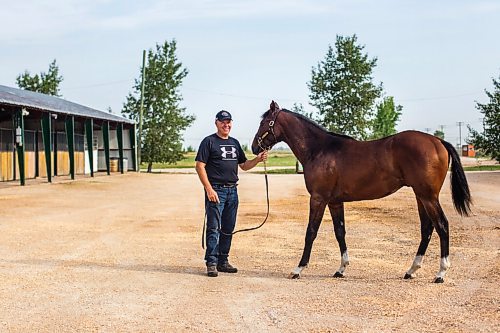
(426, 229)
(337, 212)
(316, 211)
(442, 229)
(440, 223)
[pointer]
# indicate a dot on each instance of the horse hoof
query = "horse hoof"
(408, 276)
(439, 280)
(338, 275)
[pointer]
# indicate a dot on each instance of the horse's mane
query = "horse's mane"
(311, 122)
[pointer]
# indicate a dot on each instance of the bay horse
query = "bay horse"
(338, 169)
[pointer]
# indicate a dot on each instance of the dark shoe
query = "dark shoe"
(212, 271)
(226, 268)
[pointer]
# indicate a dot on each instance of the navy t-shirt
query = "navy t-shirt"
(222, 157)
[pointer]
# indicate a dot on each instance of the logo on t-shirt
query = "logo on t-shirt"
(228, 152)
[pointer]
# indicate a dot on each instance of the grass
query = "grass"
(278, 159)
(466, 168)
(482, 168)
(275, 159)
(287, 171)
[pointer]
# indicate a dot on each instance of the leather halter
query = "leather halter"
(260, 139)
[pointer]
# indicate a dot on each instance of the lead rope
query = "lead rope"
(241, 230)
(267, 213)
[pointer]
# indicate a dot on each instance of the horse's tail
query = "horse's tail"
(459, 186)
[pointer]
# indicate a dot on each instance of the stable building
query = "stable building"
(46, 136)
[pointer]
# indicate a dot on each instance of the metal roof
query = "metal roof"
(34, 100)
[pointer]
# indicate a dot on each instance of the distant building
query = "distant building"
(34, 125)
(468, 151)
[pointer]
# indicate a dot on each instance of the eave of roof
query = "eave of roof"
(38, 101)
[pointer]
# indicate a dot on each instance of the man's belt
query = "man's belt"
(225, 185)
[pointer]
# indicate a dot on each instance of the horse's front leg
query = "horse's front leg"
(337, 212)
(316, 211)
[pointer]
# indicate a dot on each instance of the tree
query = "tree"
(439, 134)
(386, 119)
(342, 89)
(299, 108)
(489, 140)
(190, 149)
(46, 83)
(163, 119)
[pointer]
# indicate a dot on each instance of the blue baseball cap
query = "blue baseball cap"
(223, 115)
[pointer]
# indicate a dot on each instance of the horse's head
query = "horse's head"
(268, 133)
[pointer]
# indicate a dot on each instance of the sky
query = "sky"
(436, 58)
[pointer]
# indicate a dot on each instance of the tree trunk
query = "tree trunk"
(150, 166)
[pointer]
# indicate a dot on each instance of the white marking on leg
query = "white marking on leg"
(443, 267)
(417, 263)
(296, 271)
(344, 261)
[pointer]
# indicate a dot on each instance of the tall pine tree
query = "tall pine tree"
(164, 119)
(489, 140)
(342, 89)
(45, 83)
(386, 119)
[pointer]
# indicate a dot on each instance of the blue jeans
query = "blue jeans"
(220, 216)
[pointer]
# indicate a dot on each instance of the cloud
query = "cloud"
(31, 19)
(213, 9)
(458, 10)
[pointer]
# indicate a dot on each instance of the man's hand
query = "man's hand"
(212, 195)
(262, 156)
(249, 164)
(202, 173)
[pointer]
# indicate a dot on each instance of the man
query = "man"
(217, 164)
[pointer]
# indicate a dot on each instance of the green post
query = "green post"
(47, 143)
(19, 128)
(133, 146)
(105, 136)
(70, 135)
(37, 157)
(119, 134)
(139, 136)
(89, 132)
(55, 148)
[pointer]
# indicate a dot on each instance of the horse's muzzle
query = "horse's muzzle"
(256, 149)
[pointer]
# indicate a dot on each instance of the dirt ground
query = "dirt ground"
(123, 254)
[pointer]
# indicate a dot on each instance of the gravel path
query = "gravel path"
(123, 254)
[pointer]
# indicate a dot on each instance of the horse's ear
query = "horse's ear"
(274, 106)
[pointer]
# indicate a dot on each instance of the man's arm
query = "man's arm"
(202, 174)
(249, 164)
